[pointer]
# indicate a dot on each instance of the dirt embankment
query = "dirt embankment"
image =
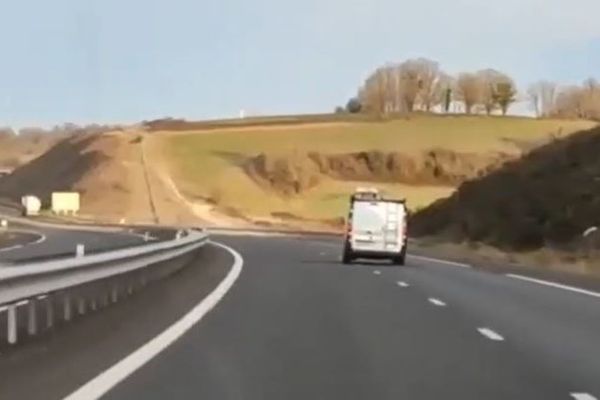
(17, 150)
(97, 166)
(107, 169)
(295, 173)
(547, 198)
(118, 174)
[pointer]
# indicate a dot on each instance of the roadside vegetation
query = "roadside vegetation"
(211, 165)
(422, 85)
(548, 198)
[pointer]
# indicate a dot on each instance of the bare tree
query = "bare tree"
(497, 90)
(410, 83)
(591, 99)
(468, 90)
(404, 86)
(373, 94)
(505, 94)
(487, 80)
(569, 102)
(542, 96)
(431, 83)
(535, 99)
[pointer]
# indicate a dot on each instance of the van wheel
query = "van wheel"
(401, 258)
(398, 260)
(346, 259)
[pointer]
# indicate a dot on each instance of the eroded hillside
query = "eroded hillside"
(549, 197)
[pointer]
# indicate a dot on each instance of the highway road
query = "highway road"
(297, 324)
(57, 241)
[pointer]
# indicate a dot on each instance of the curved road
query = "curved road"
(57, 241)
(300, 325)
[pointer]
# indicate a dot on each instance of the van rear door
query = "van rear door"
(369, 220)
(395, 226)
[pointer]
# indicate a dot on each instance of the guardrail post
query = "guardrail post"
(80, 250)
(67, 308)
(81, 306)
(104, 300)
(49, 313)
(93, 304)
(114, 295)
(11, 324)
(31, 318)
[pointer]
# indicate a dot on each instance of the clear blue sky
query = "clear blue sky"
(128, 60)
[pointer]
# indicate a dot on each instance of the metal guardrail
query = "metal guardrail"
(36, 297)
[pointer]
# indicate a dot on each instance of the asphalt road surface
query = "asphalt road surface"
(57, 242)
(298, 324)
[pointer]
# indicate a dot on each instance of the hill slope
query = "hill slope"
(549, 197)
(292, 174)
(110, 173)
(212, 164)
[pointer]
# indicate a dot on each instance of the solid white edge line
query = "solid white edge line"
(582, 396)
(403, 284)
(440, 261)
(41, 239)
(436, 302)
(110, 378)
(16, 246)
(490, 334)
(554, 285)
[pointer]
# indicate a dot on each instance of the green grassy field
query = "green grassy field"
(206, 163)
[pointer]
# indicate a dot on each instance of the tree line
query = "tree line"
(421, 85)
(576, 101)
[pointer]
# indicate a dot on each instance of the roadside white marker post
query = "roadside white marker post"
(146, 236)
(4, 224)
(11, 323)
(80, 250)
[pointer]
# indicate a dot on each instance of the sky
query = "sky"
(121, 61)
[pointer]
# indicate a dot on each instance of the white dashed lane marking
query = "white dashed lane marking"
(437, 302)
(583, 396)
(377, 272)
(403, 284)
(490, 334)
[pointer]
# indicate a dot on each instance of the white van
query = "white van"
(376, 228)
